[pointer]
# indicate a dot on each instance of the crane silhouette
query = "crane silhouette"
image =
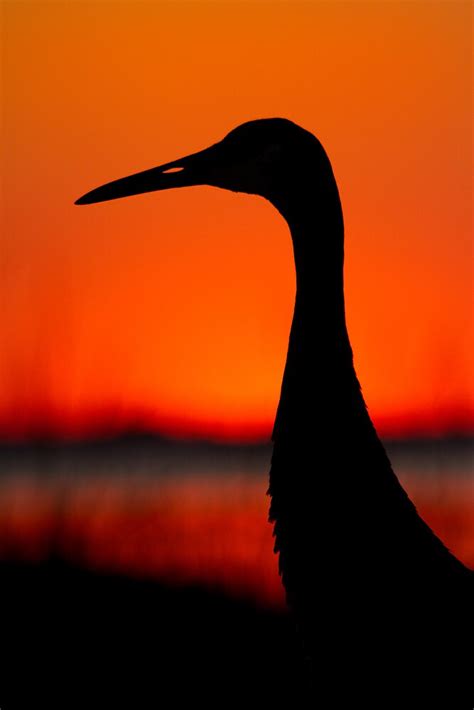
(381, 604)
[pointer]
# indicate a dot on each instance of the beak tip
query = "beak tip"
(83, 200)
(97, 195)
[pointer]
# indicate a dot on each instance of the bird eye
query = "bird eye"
(272, 152)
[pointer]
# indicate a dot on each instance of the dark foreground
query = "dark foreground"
(71, 638)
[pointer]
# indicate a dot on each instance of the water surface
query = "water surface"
(191, 514)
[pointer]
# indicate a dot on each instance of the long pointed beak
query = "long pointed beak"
(193, 169)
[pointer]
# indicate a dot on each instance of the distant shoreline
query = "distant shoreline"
(136, 449)
(159, 441)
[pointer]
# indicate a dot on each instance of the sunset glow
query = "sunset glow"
(171, 312)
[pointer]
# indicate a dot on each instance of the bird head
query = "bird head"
(262, 157)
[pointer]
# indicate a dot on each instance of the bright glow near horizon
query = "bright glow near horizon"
(172, 311)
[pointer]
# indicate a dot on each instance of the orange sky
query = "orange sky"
(172, 310)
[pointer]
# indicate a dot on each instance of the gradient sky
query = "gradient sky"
(172, 311)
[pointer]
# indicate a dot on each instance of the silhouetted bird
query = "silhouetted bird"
(383, 607)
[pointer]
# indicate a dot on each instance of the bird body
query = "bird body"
(364, 574)
(379, 601)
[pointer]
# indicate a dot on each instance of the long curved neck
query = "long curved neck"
(319, 374)
(349, 539)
